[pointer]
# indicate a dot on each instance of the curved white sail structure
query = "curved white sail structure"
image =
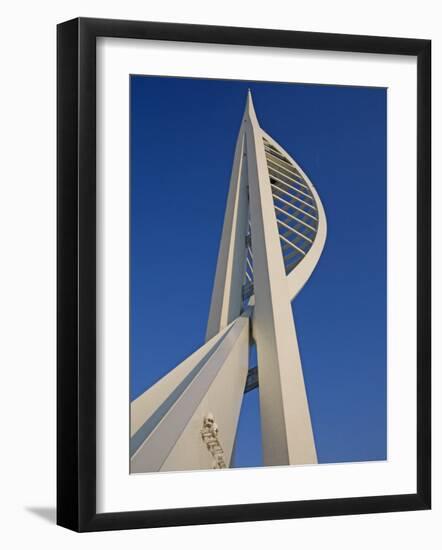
(273, 235)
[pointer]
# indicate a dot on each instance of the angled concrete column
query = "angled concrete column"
(287, 434)
(226, 295)
(169, 419)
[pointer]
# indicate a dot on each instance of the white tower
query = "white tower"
(273, 235)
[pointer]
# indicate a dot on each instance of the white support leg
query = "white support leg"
(226, 296)
(285, 419)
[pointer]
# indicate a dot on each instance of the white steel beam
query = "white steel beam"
(294, 217)
(273, 177)
(299, 276)
(287, 434)
(289, 176)
(293, 230)
(226, 295)
(296, 199)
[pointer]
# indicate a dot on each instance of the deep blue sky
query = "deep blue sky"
(183, 134)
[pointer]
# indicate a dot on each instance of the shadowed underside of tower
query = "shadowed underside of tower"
(273, 235)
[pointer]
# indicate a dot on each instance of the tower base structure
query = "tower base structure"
(182, 422)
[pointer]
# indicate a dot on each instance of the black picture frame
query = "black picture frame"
(77, 287)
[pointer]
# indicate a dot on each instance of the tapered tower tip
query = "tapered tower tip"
(250, 109)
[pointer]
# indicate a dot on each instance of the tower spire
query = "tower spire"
(250, 108)
(273, 235)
